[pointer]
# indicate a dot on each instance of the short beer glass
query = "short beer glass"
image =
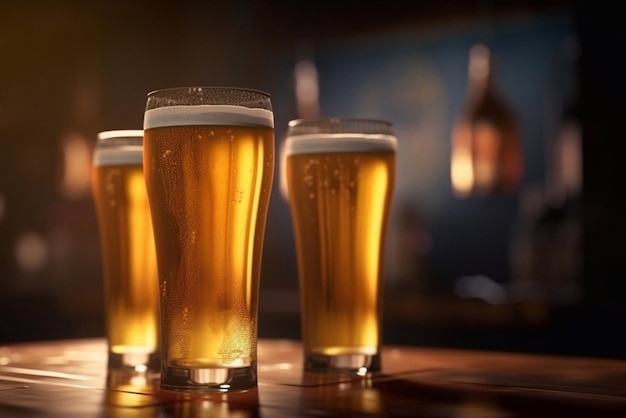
(340, 182)
(128, 255)
(209, 164)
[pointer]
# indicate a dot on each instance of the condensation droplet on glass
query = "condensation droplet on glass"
(185, 318)
(311, 195)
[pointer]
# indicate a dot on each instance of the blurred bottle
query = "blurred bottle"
(564, 173)
(547, 246)
(486, 151)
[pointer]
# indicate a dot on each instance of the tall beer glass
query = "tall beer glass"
(128, 255)
(209, 164)
(340, 179)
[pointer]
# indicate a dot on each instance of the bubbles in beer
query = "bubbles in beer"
(127, 240)
(339, 190)
(239, 195)
(212, 211)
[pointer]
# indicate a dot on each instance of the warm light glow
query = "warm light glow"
(479, 62)
(462, 172)
(31, 251)
(347, 351)
(307, 104)
(486, 156)
(476, 165)
(571, 158)
(307, 89)
(487, 140)
(378, 178)
(139, 381)
(142, 248)
(76, 166)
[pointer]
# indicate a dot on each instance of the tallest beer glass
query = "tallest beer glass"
(209, 164)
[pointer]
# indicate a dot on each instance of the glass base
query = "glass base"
(360, 364)
(131, 380)
(137, 361)
(209, 379)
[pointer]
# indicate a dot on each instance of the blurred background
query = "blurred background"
(506, 230)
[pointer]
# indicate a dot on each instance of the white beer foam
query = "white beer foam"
(207, 115)
(343, 142)
(122, 155)
(120, 133)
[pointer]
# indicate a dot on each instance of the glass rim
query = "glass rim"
(213, 88)
(340, 125)
(120, 133)
(315, 121)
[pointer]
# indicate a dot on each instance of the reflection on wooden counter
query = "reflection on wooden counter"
(69, 378)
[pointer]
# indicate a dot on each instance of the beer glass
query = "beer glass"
(340, 179)
(209, 165)
(128, 255)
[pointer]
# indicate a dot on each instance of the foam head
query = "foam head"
(120, 147)
(224, 115)
(339, 135)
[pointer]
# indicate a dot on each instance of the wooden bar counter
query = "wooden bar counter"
(69, 379)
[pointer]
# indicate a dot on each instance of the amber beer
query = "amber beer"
(128, 254)
(340, 185)
(209, 171)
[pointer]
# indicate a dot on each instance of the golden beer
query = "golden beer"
(340, 188)
(128, 254)
(209, 171)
